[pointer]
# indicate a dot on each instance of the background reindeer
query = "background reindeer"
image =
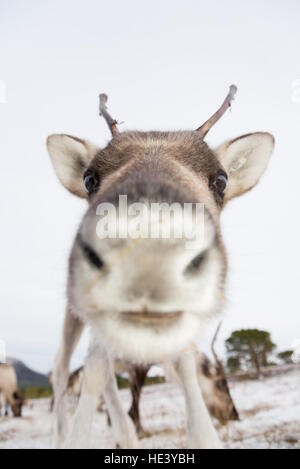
(211, 378)
(73, 389)
(212, 381)
(3, 405)
(214, 386)
(148, 300)
(9, 391)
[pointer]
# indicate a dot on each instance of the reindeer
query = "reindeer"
(211, 379)
(223, 407)
(3, 404)
(9, 391)
(146, 299)
(74, 385)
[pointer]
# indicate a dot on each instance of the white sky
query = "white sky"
(165, 65)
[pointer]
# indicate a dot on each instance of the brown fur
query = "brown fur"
(179, 159)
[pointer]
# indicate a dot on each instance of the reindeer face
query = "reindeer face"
(16, 403)
(150, 296)
(222, 407)
(216, 392)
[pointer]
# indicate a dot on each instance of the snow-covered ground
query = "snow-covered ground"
(269, 411)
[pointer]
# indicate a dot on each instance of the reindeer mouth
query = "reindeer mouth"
(151, 318)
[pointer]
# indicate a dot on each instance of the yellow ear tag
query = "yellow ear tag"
(238, 164)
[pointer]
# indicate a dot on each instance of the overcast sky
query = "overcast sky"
(165, 65)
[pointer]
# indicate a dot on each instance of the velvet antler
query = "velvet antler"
(204, 128)
(112, 123)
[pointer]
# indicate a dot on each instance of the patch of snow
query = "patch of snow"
(269, 411)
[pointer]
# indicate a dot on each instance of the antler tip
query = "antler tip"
(204, 128)
(112, 123)
(103, 98)
(233, 89)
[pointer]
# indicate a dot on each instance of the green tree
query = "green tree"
(286, 356)
(233, 364)
(251, 347)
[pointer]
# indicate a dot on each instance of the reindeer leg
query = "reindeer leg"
(95, 376)
(123, 428)
(201, 432)
(137, 378)
(72, 330)
(98, 377)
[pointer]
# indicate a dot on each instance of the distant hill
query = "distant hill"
(26, 376)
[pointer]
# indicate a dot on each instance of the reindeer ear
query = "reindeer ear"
(71, 157)
(245, 159)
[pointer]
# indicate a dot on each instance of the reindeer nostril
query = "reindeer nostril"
(195, 264)
(90, 255)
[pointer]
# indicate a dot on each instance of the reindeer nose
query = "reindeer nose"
(148, 287)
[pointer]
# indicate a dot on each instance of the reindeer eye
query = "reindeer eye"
(91, 181)
(220, 183)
